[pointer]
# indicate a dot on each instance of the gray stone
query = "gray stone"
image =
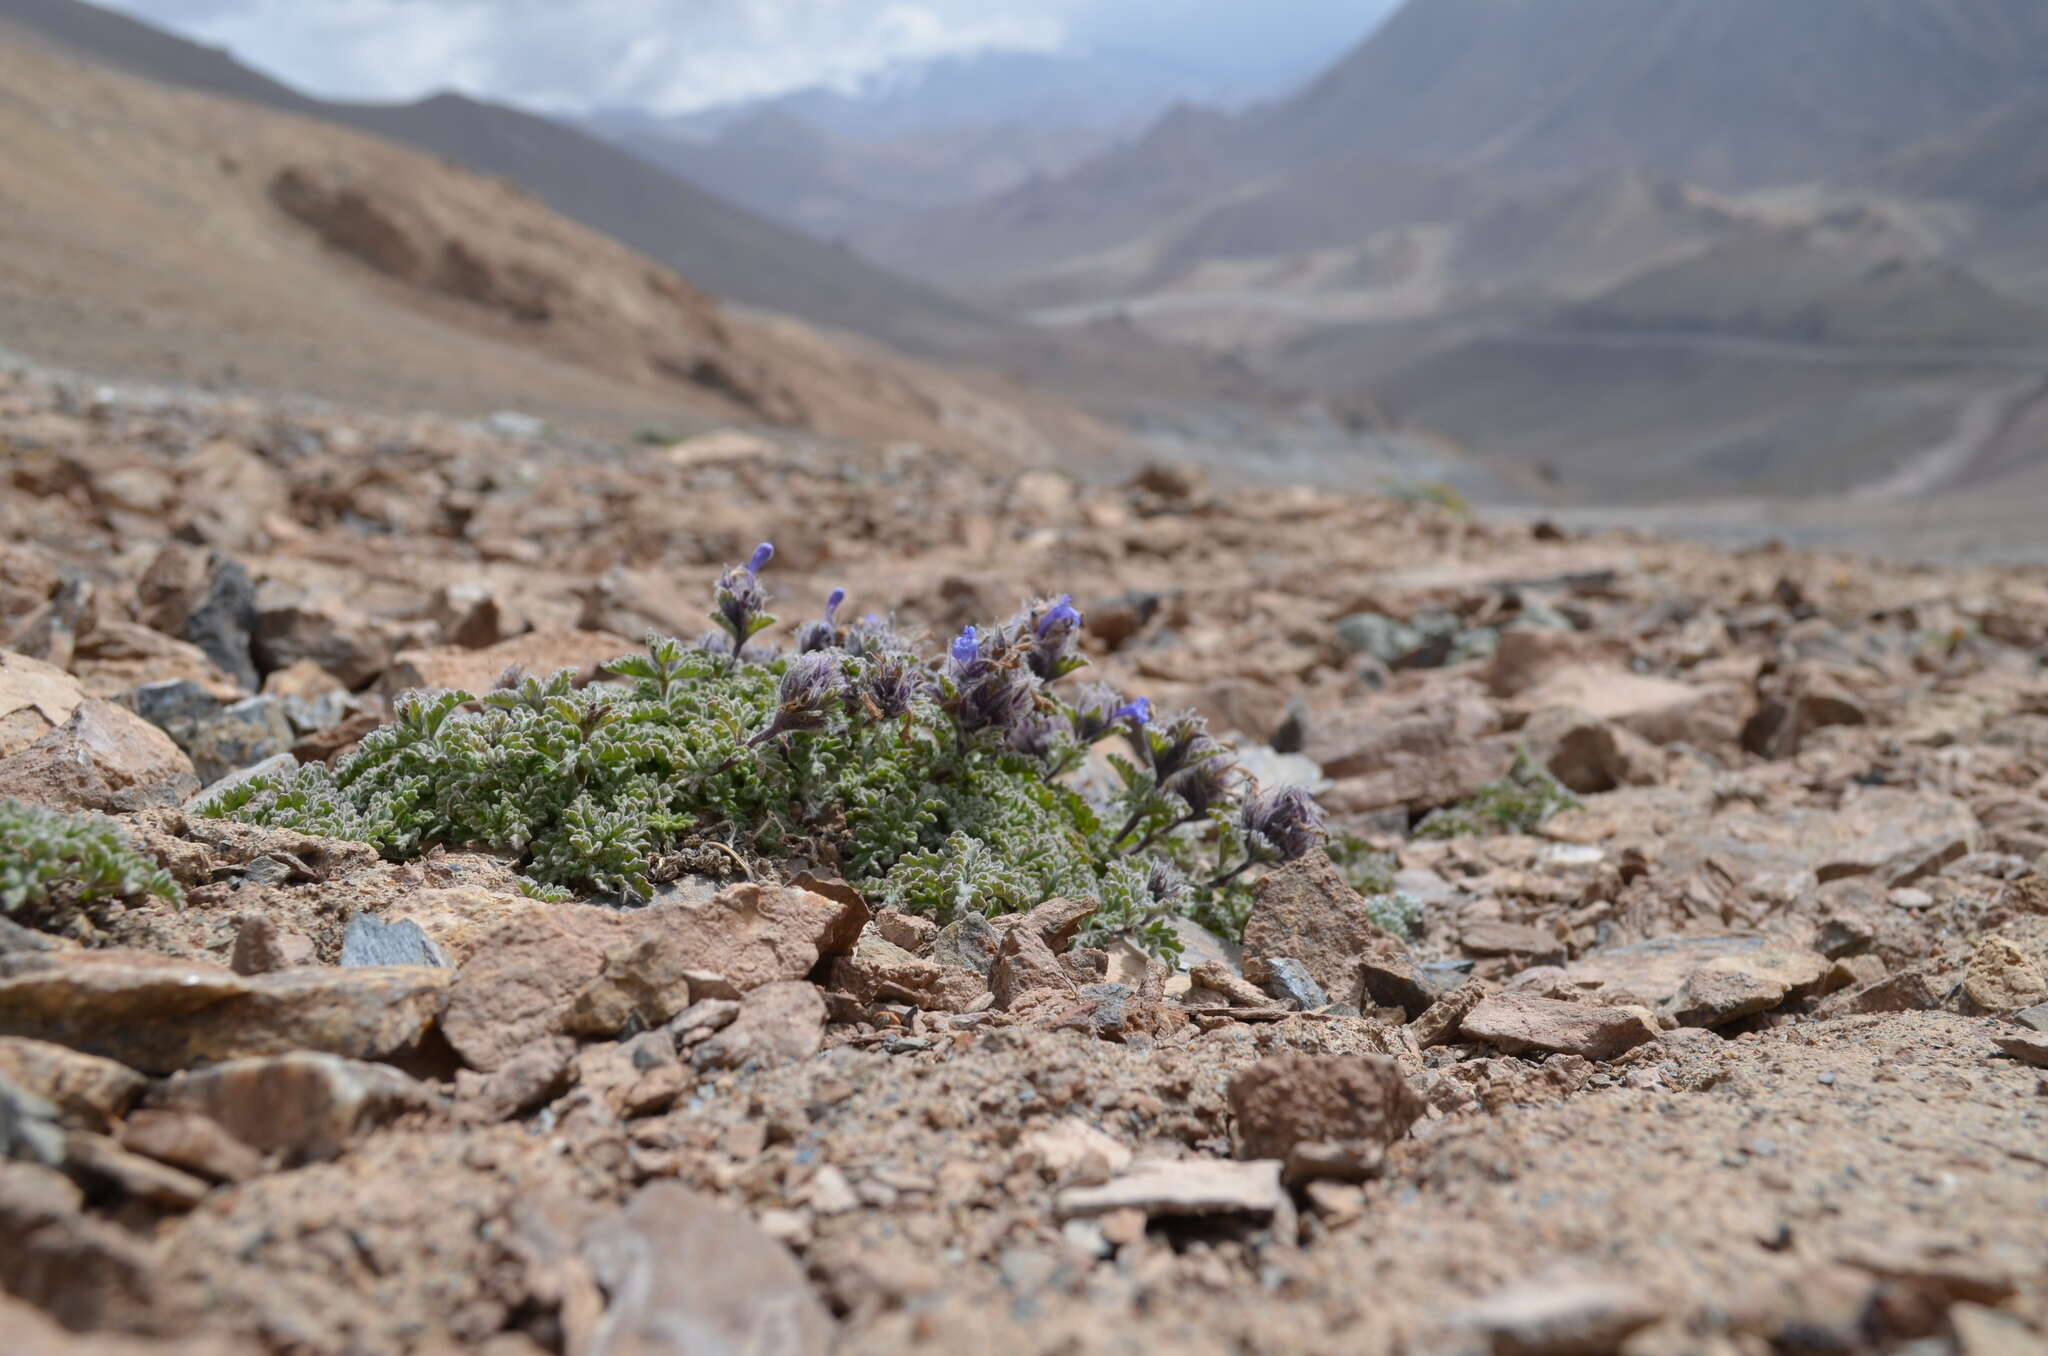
(1378, 635)
(28, 1126)
(968, 943)
(219, 739)
(1289, 981)
(1183, 1188)
(2034, 1018)
(221, 619)
(1561, 1316)
(370, 940)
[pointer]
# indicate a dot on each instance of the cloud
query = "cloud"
(574, 55)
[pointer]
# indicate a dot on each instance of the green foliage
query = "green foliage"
(57, 868)
(584, 788)
(1396, 912)
(1518, 803)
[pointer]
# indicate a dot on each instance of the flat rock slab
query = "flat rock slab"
(159, 1015)
(2027, 1049)
(1650, 974)
(1730, 988)
(1183, 1188)
(1516, 1023)
(303, 1106)
(686, 1275)
(1560, 1317)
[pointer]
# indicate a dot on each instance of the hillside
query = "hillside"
(727, 252)
(157, 232)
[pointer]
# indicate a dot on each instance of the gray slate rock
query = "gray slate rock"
(1289, 981)
(372, 941)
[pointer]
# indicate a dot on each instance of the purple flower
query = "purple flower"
(1205, 785)
(823, 634)
(810, 687)
(965, 651)
(889, 686)
(1052, 636)
(1179, 744)
(1138, 711)
(1281, 826)
(1165, 882)
(1037, 734)
(1097, 709)
(740, 604)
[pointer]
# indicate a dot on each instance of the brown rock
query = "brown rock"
(2003, 978)
(685, 1274)
(159, 1015)
(1322, 1116)
(523, 980)
(1439, 1025)
(84, 1272)
(1728, 988)
(537, 653)
(104, 757)
(188, 1140)
(781, 1023)
(27, 579)
(89, 1093)
(145, 1179)
(118, 656)
(1907, 991)
(1026, 971)
(303, 1106)
(1390, 978)
(262, 947)
(35, 698)
(1590, 755)
(539, 1073)
(1056, 920)
(1519, 1022)
(1306, 911)
(879, 969)
(639, 1077)
(1897, 835)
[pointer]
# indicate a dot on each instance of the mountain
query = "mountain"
(1724, 92)
(1731, 94)
(720, 248)
(158, 233)
(783, 166)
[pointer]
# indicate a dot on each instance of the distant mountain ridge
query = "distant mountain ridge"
(716, 246)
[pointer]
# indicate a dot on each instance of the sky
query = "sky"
(677, 56)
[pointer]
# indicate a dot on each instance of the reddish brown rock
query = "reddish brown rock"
(780, 1023)
(1728, 988)
(89, 1093)
(1518, 1022)
(302, 1106)
(639, 1077)
(879, 969)
(1027, 972)
(159, 1015)
(523, 980)
(1322, 1116)
(1306, 911)
(35, 698)
(188, 1140)
(104, 757)
(538, 653)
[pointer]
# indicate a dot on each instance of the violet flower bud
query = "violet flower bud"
(740, 603)
(890, 685)
(822, 634)
(1052, 640)
(810, 687)
(1282, 826)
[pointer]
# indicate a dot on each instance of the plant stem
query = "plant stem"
(1231, 875)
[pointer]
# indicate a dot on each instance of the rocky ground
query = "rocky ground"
(1747, 1053)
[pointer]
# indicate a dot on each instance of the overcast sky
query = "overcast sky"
(680, 55)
